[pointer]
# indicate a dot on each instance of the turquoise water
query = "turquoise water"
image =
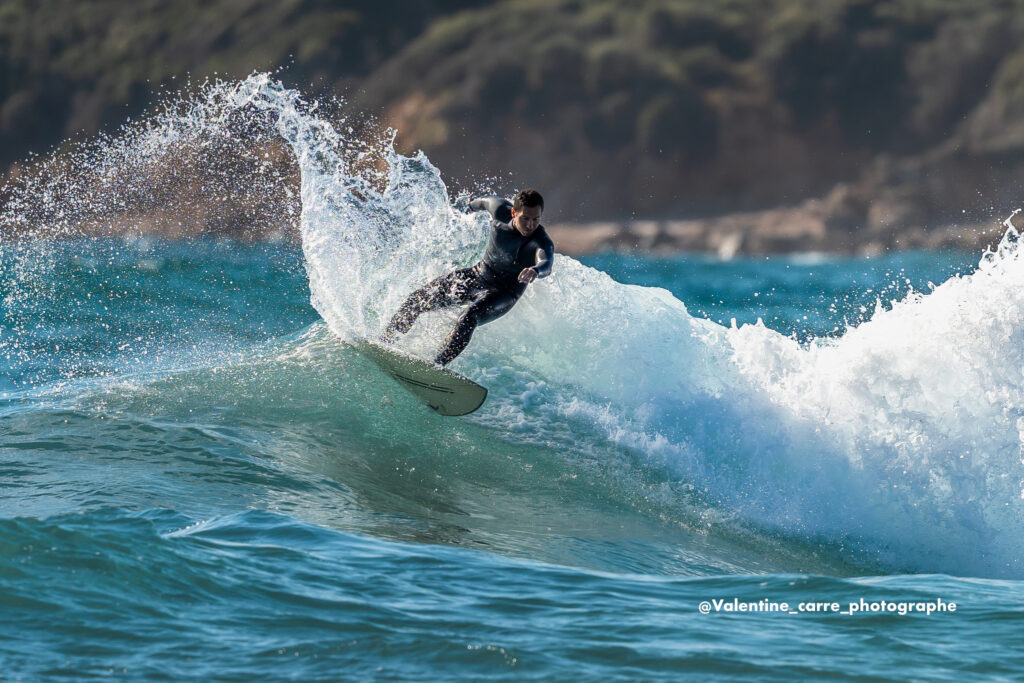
(201, 478)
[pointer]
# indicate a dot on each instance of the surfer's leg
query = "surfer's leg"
(491, 306)
(447, 290)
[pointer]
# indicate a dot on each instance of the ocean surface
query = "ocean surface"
(785, 468)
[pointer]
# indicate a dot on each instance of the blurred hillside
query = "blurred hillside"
(890, 123)
(79, 66)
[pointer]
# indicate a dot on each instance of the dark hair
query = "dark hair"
(528, 197)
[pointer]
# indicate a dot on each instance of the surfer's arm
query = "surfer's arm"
(545, 254)
(499, 207)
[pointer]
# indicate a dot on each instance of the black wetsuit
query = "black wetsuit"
(491, 287)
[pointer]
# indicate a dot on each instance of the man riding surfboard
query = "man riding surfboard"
(518, 252)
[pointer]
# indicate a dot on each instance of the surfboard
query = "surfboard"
(444, 391)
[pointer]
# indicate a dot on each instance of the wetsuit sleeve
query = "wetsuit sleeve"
(499, 207)
(545, 254)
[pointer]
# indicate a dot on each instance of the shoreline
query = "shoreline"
(808, 228)
(775, 231)
(724, 237)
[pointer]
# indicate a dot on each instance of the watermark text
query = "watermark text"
(860, 606)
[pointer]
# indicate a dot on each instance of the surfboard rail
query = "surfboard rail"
(442, 390)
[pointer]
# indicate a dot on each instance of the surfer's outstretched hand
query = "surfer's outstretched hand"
(528, 275)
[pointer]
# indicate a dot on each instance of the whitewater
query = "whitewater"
(202, 477)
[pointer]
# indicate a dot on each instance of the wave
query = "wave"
(898, 442)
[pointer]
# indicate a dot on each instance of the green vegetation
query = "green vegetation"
(81, 65)
(695, 105)
(682, 106)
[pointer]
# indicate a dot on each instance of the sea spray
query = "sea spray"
(374, 223)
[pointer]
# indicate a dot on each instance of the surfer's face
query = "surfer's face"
(527, 220)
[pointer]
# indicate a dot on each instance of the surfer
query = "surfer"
(518, 252)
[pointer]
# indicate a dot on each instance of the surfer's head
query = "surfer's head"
(526, 211)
